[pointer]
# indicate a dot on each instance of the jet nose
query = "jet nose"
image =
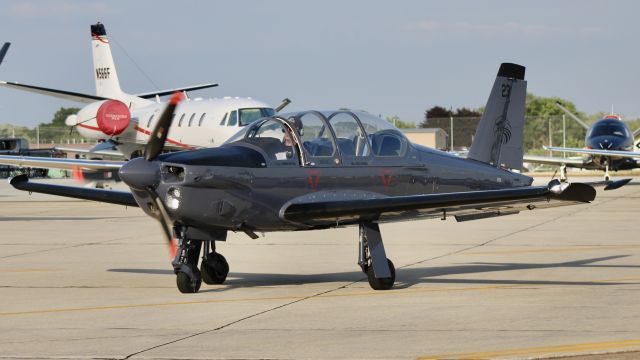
(139, 173)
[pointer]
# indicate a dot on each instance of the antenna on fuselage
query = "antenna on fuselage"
(283, 104)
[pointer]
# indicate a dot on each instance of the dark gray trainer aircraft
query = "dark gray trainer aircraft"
(321, 169)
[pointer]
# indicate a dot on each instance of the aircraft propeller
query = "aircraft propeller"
(151, 151)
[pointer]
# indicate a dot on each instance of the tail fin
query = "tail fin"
(498, 139)
(107, 84)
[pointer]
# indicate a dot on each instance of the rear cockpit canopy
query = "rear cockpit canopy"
(327, 137)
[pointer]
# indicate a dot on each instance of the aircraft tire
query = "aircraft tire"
(215, 269)
(186, 284)
(381, 284)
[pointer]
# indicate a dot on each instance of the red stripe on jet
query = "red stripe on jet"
(96, 37)
(147, 132)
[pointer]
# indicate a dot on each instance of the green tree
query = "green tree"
(397, 122)
(544, 116)
(60, 116)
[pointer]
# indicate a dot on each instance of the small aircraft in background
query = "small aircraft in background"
(609, 145)
(316, 170)
(123, 122)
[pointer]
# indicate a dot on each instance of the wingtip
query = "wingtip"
(22, 178)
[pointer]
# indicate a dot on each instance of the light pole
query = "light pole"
(451, 119)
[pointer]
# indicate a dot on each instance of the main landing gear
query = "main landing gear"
(373, 260)
(213, 268)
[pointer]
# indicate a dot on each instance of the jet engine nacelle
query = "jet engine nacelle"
(111, 117)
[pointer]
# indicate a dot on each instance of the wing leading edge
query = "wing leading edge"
(614, 153)
(464, 205)
(59, 163)
(21, 182)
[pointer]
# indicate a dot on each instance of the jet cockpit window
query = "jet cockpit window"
(247, 116)
(609, 128)
(233, 118)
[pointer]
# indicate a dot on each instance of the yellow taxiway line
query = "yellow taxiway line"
(400, 292)
(620, 345)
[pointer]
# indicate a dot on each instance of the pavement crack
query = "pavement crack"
(242, 319)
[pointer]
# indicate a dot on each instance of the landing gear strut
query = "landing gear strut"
(607, 176)
(563, 173)
(373, 260)
(213, 269)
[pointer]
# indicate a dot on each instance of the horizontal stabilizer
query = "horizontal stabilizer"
(21, 182)
(61, 94)
(150, 95)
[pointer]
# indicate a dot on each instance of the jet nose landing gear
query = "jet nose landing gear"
(373, 260)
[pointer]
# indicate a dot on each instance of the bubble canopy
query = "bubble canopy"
(323, 137)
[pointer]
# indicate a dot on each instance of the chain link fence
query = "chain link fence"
(43, 136)
(538, 132)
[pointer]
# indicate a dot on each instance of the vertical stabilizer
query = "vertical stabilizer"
(498, 139)
(107, 84)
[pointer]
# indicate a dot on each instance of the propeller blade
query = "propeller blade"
(159, 135)
(165, 221)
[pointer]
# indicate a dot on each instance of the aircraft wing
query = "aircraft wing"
(21, 182)
(171, 91)
(551, 160)
(62, 94)
(615, 153)
(58, 163)
(350, 208)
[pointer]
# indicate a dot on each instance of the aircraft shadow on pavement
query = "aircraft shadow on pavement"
(407, 277)
(54, 218)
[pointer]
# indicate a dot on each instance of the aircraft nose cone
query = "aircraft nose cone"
(139, 173)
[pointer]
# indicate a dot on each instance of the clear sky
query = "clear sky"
(386, 57)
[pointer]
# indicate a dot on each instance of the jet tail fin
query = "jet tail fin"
(107, 83)
(498, 139)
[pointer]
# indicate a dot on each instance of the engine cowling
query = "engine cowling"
(113, 117)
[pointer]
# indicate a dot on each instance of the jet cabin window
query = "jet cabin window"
(191, 119)
(201, 119)
(181, 120)
(149, 122)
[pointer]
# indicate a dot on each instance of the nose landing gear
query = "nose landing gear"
(213, 269)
